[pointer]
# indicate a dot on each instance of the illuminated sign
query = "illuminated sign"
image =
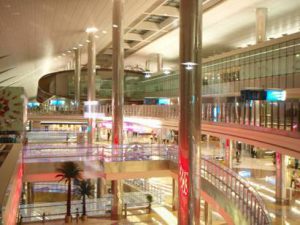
(57, 102)
(245, 173)
(33, 104)
(275, 95)
(164, 101)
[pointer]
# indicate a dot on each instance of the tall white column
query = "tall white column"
(190, 111)
(261, 24)
(91, 70)
(77, 77)
(117, 97)
(228, 152)
(159, 63)
(281, 167)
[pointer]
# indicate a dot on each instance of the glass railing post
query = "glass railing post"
(292, 116)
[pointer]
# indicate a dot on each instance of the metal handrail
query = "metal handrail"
(236, 189)
(172, 112)
(95, 207)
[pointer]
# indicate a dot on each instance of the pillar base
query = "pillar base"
(282, 201)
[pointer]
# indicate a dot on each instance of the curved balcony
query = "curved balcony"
(61, 84)
(255, 127)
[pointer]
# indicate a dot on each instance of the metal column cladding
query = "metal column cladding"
(190, 111)
(118, 73)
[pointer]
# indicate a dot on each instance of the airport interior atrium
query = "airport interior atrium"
(118, 112)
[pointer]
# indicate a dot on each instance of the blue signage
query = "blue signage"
(164, 101)
(57, 102)
(33, 104)
(275, 95)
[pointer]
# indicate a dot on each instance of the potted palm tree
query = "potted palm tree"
(150, 200)
(68, 171)
(84, 189)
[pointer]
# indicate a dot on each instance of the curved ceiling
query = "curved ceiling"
(36, 35)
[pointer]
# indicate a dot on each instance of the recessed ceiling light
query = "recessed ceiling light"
(88, 41)
(63, 54)
(96, 36)
(91, 30)
(69, 51)
(115, 25)
(80, 45)
(74, 48)
(104, 32)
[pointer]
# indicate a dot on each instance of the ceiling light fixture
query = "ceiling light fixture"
(189, 65)
(166, 70)
(74, 48)
(104, 32)
(115, 25)
(91, 30)
(88, 41)
(80, 45)
(69, 51)
(96, 36)
(147, 74)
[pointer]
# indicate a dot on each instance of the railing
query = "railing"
(237, 190)
(94, 207)
(146, 188)
(136, 152)
(283, 116)
(224, 179)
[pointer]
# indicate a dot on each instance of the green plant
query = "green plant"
(149, 198)
(84, 189)
(68, 171)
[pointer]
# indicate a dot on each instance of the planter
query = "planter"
(68, 219)
(84, 217)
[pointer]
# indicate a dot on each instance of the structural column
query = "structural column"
(281, 167)
(207, 214)
(77, 77)
(190, 112)
(91, 69)
(228, 152)
(261, 23)
(159, 63)
(30, 193)
(101, 187)
(174, 194)
(117, 97)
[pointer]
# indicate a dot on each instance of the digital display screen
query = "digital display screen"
(164, 101)
(245, 173)
(33, 104)
(57, 102)
(275, 95)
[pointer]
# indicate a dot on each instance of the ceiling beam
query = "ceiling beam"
(133, 37)
(166, 11)
(146, 25)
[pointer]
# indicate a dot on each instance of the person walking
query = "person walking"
(293, 179)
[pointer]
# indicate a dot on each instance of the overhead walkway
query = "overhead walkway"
(229, 194)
